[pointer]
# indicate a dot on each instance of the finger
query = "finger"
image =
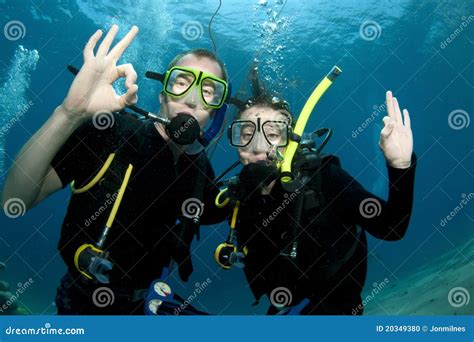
(398, 113)
(118, 49)
(406, 118)
(89, 48)
(109, 38)
(387, 120)
(389, 98)
(127, 71)
(386, 131)
(130, 97)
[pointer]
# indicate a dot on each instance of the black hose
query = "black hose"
(209, 26)
(226, 171)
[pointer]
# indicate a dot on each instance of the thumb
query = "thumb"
(387, 130)
(130, 97)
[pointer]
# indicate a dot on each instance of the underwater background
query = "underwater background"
(421, 50)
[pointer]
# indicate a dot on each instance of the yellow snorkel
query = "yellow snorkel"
(287, 176)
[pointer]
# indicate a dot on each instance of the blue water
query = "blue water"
(380, 45)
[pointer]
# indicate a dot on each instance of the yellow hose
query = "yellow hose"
(218, 197)
(97, 177)
(111, 217)
(233, 222)
(115, 208)
(117, 201)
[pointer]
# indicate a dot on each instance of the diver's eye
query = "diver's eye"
(181, 84)
(208, 92)
(273, 136)
(246, 136)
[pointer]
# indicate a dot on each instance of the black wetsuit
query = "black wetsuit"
(145, 233)
(331, 264)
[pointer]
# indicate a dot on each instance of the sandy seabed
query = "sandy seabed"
(443, 286)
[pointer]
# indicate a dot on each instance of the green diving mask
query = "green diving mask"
(179, 81)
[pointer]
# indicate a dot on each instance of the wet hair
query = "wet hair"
(263, 100)
(260, 97)
(201, 53)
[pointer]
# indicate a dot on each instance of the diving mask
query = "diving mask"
(259, 135)
(182, 81)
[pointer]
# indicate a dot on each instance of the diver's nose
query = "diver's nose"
(190, 100)
(259, 145)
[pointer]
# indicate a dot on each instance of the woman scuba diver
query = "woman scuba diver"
(298, 226)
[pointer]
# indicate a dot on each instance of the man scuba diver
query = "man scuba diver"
(298, 226)
(138, 185)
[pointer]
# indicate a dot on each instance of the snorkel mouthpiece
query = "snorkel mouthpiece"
(275, 156)
(183, 129)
